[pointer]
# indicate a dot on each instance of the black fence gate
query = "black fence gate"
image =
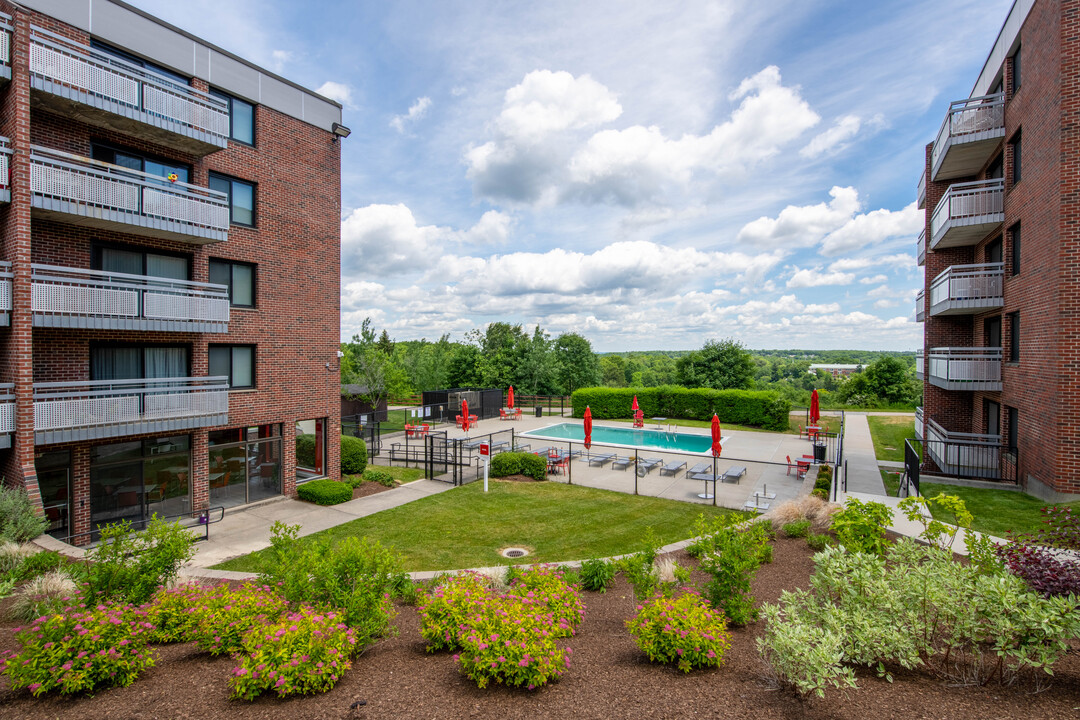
(909, 484)
(364, 427)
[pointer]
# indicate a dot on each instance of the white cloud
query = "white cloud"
(280, 58)
(493, 228)
(833, 139)
(873, 280)
(847, 264)
(416, 111)
(336, 91)
(815, 277)
(872, 228)
(545, 102)
(802, 226)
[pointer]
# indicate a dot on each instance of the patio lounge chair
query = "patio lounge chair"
(673, 468)
(647, 465)
(601, 459)
(622, 463)
(700, 468)
(473, 444)
(733, 473)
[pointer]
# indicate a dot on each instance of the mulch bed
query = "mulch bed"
(368, 488)
(609, 678)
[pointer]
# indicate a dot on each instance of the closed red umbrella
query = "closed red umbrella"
(465, 415)
(510, 398)
(588, 427)
(634, 406)
(815, 411)
(716, 448)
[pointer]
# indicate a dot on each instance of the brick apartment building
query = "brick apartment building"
(1001, 301)
(170, 238)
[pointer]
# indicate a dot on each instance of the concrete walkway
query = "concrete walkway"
(902, 526)
(862, 465)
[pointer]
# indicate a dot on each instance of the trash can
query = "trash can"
(539, 411)
(819, 453)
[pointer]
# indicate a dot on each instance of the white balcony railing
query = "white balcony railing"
(965, 368)
(963, 454)
(977, 120)
(7, 413)
(70, 411)
(920, 191)
(112, 195)
(5, 45)
(71, 297)
(920, 424)
(967, 212)
(920, 365)
(920, 306)
(78, 72)
(920, 248)
(965, 289)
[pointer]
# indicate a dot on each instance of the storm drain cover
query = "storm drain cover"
(514, 553)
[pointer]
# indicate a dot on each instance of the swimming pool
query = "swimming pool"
(628, 437)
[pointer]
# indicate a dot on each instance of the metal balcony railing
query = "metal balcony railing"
(920, 191)
(920, 424)
(78, 73)
(7, 413)
(972, 455)
(920, 248)
(105, 195)
(967, 213)
(5, 293)
(5, 46)
(967, 289)
(72, 297)
(5, 169)
(969, 133)
(87, 410)
(965, 368)
(920, 306)
(920, 365)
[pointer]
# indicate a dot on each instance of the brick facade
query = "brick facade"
(295, 246)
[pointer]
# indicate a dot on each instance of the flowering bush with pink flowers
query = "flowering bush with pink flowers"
(304, 652)
(444, 611)
(175, 613)
(224, 616)
(546, 584)
(80, 650)
(683, 630)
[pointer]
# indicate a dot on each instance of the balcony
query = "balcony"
(920, 365)
(74, 298)
(970, 134)
(79, 82)
(967, 289)
(7, 414)
(78, 411)
(5, 47)
(5, 293)
(967, 214)
(77, 190)
(920, 424)
(965, 368)
(920, 191)
(920, 306)
(969, 455)
(920, 248)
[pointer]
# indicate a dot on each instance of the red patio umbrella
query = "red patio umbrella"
(588, 427)
(716, 448)
(815, 411)
(634, 406)
(465, 415)
(510, 398)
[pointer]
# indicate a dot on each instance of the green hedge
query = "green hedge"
(353, 455)
(519, 463)
(324, 492)
(759, 408)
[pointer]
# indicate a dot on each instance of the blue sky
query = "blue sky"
(648, 174)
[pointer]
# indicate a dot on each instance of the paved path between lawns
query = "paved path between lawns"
(862, 465)
(247, 530)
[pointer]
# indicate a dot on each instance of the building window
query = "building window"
(241, 198)
(237, 362)
(137, 262)
(240, 279)
(996, 169)
(992, 252)
(1016, 70)
(137, 479)
(241, 118)
(992, 415)
(992, 332)
(245, 464)
(137, 61)
(1014, 337)
(1016, 158)
(1012, 427)
(134, 362)
(1014, 239)
(140, 162)
(310, 449)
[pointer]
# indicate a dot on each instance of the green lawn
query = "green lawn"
(401, 474)
(891, 478)
(395, 421)
(465, 527)
(889, 433)
(996, 511)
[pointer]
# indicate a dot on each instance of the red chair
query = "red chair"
(561, 465)
(790, 465)
(639, 419)
(517, 413)
(408, 430)
(457, 420)
(503, 415)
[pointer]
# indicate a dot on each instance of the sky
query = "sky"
(648, 174)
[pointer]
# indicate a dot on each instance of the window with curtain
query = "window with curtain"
(111, 362)
(132, 160)
(138, 262)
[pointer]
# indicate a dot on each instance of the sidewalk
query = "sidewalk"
(902, 526)
(862, 465)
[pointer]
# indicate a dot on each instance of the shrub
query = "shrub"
(860, 527)
(917, 509)
(640, 568)
(685, 631)
(443, 612)
(545, 585)
(18, 521)
(80, 651)
(1049, 573)
(805, 507)
(915, 607)
(224, 616)
(131, 565)
(761, 408)
(44, 594)
(817, 542)
(823, 483)
(353, 455)
(519, 463)
(304, 652)
(324, 492)
(597, 574)
(820, 494)
(305, 450)
(175, 613)
(385, 479)
(797, 529)
(731, 562)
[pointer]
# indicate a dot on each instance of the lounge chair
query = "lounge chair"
(673, 467)
(699, 468)
(601, 459)
(647, 465)
(622, 463)
(473, 444)
(733, 473)
(521, 447)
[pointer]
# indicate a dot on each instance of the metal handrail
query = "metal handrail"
(973, 282)
(920, 247)
(126, 387)
(986, 197)
(200, 514)
(969, 116)
(959, 437)
(126, 280)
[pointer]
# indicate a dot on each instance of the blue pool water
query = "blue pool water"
(627, 437)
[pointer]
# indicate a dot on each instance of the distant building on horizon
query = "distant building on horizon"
(836, 370)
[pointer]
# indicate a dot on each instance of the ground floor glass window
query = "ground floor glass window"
(54, 481)
(245, 465)
(137, 479)
(310, 449)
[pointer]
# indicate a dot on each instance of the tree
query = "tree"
(576, 365)
(536, 369)
(463, 370)
(722, 365)
(367, 365)
(888, 379)
(613, 370)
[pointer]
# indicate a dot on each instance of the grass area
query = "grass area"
(401, 474)
(889, 433)
(996, 511)
(891, 478)
(465, 527)
(395, 421)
